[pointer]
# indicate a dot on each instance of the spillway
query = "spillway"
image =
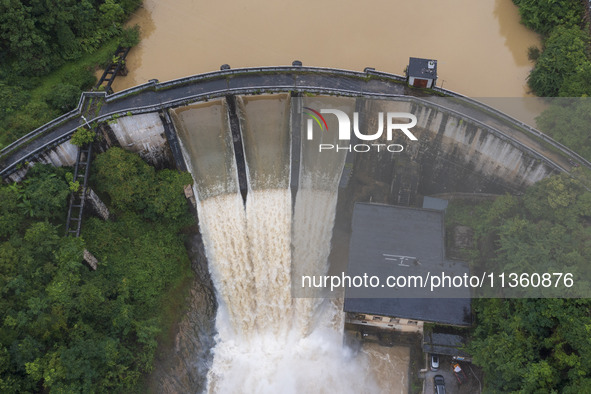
(206, 143)
(268, 341)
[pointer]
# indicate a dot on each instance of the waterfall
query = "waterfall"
(268, 341)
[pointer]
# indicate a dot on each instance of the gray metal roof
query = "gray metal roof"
(422, 68)
(400, 241)
(444, 343)
(438, 204)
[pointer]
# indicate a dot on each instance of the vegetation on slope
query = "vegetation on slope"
(48, 53)
(65, 328)
(563, 68)
(532, 345)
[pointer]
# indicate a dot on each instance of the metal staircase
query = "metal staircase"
(116, 67)
(77, 198)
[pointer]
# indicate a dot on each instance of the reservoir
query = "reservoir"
(480, 46)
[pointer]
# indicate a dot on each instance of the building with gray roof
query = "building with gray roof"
(394, 241)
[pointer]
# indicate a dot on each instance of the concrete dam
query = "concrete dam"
(453, 154)
(270, 201)
(456, 116)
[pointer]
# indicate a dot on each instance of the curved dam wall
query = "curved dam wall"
(454, 152)
(143, 134)
(459, 154)
(154, 97)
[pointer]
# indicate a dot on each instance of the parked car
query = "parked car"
(459, 372)
(439, 384)
(434, 362)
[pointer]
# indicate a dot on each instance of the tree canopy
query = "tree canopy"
(48, 55)
(65, 328)
(37, 36)
(532, 344)
(564, 56)
(567, 120)
(544, 15)
(562, 69)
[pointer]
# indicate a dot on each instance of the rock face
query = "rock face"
(190, 195)
(183, 367)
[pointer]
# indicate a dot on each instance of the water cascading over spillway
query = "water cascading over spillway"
(267, 340)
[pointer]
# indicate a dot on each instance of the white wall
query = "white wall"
(142, 134)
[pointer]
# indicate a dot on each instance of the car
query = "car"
(434, 362)
(439, 384)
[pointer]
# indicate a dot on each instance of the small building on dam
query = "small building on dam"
(422, 73)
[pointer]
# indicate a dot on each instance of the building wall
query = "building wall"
(411, 81)
(386, 322)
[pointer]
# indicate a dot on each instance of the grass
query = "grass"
(89, 61)
(23, 121)
(465, 213)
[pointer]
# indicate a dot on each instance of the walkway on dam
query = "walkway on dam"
(154, 96)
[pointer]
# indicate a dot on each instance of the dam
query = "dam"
(269, 201)
(152, 101)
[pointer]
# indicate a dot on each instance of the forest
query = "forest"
(562, 68)
(64, 327)
(48, 54)
(532, 344)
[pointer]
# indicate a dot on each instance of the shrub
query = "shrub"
(533, 53)
(64, 97)
(544, 15)
(45, 191)
(83, 136)
(565, 52)
(133, 185)
(82, 77)
(130, 36)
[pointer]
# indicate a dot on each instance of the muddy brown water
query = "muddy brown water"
(480, 46)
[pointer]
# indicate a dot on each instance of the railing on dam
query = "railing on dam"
(154, 96)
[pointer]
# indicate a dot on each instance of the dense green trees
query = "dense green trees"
(563, 68)
(544, 15)
(533, 345)
(567, 120)
(65, 328)
(134, 186)
(36, 38)
(563, 58)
